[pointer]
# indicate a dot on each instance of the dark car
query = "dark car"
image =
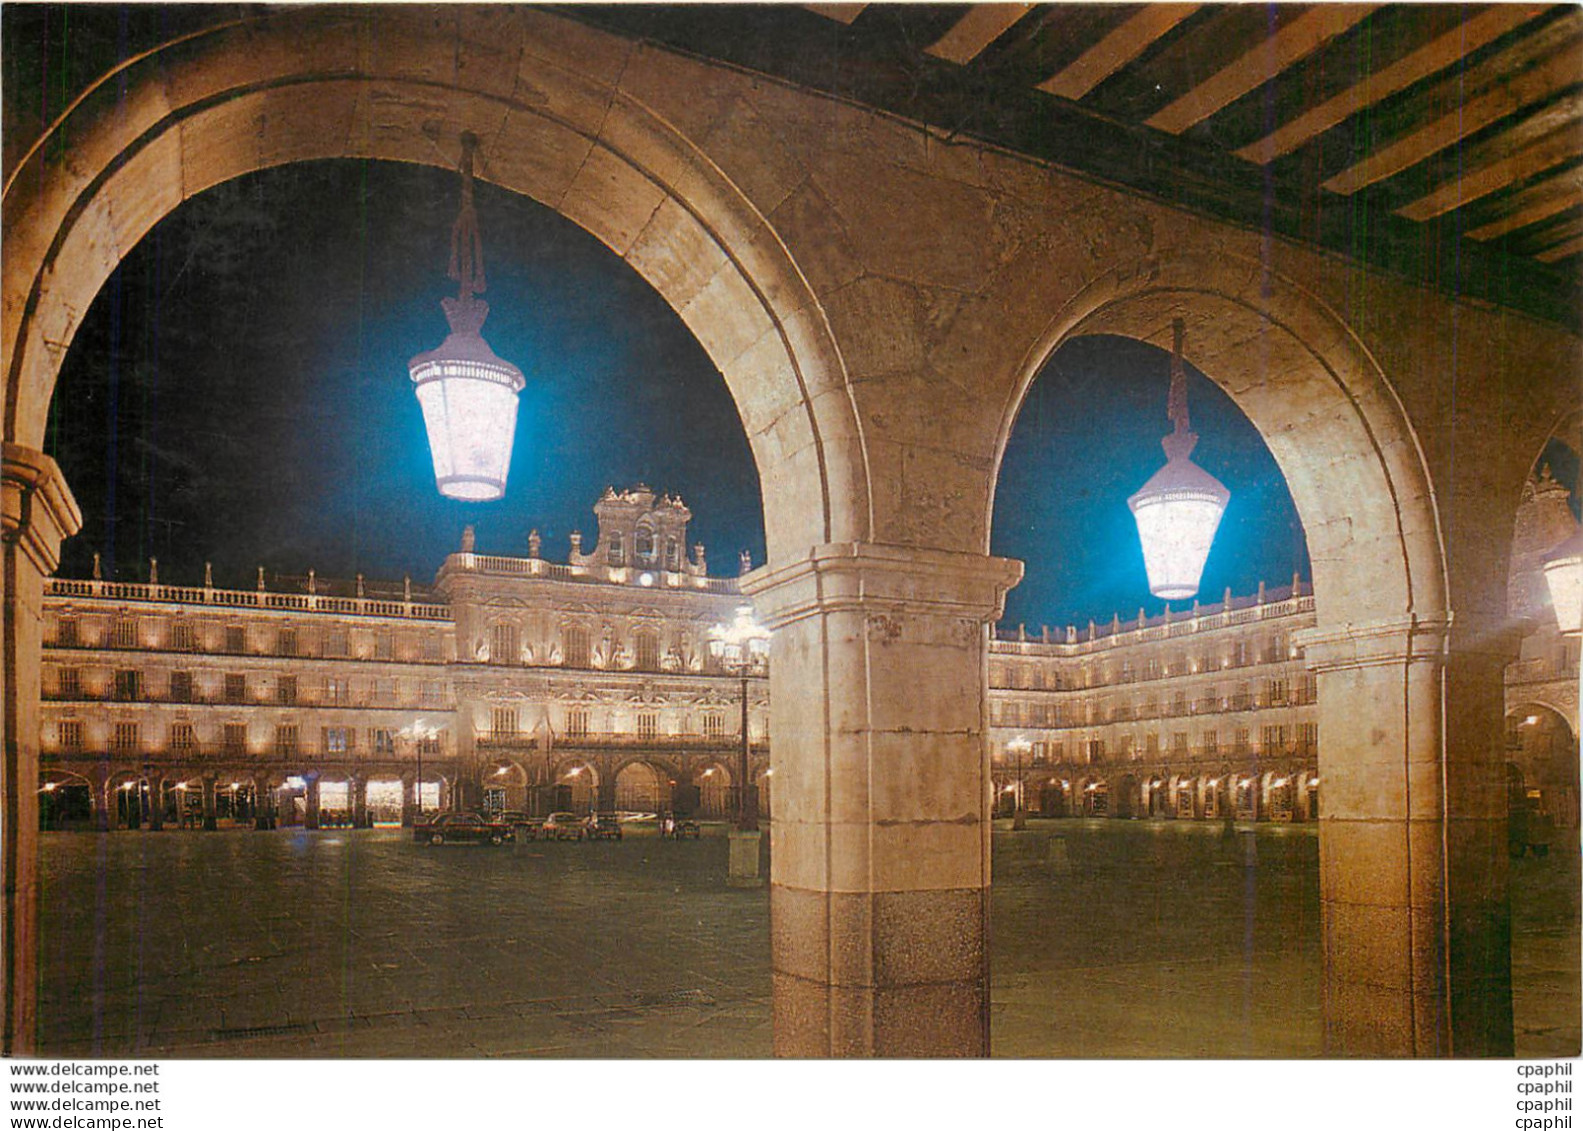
(606, 826)
(462, 828)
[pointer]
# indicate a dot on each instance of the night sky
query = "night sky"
(238, 393)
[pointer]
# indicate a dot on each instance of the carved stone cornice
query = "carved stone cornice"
(1410, 639)
(875, 578)
(36, 506)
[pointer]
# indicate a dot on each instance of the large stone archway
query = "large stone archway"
(1414, 898)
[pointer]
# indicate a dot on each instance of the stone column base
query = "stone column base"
(743, 871)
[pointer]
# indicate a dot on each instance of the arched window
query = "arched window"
(673, 555)
(643, 544)
(616, 554)
(576, 650)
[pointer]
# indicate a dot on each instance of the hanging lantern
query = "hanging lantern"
(1564, 576)
(1178, 510)
(468, 395)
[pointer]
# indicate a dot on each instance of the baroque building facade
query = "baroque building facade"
(520, 684)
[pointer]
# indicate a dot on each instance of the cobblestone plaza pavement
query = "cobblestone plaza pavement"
(1110, 939)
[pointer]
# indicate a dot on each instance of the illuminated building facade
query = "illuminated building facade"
(520, 684)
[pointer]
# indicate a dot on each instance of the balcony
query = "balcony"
(624, 740)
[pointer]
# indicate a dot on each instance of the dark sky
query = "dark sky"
(238, 393)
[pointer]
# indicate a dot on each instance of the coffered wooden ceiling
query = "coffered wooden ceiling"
(1437, 140)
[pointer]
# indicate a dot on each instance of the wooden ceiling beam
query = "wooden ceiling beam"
(841, 13)
(1561, 251)
(1120, 47)
(1296, 40)
(1436, 55)
(983, 24)
(1534, 204)
(1563, 68)
(1546, 153)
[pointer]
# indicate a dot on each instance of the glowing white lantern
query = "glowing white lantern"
(1178, 510)
(742, 644)
(468, 395)
(1564, 576)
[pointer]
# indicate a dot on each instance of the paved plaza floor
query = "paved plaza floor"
(1110, 939)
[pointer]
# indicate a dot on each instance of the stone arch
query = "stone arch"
(641, 787)
(401, 85)
(1318, 398)
(715, 783)
(1542, 746)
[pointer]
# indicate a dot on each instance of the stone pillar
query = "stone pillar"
(156, 803)
(880, 857)
(99, 787)
(359, 787)
(210, 818)
(1412, 835)
(605, 801)
(409, 801)
(37, 511)
(263, 804)
(310, 803)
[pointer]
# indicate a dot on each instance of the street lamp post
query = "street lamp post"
(1019, 814)
(742, 648)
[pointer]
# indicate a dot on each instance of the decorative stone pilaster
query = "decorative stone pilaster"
(1413, 856)
(409, 801)
(37, 512)
(310, 802)
(359, 787)
(880, 860)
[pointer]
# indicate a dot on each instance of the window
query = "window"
(1274, 739)
(384, 646)
(577, 722)
(66, 634)
(1179, 703)
(182, 738)
(429, 745)
(1211, 743)
(337, 691)
(125, 737)
(128, 685)
(1096, 750)
(714, 726)
(1275, 691)
(503, 644)
(235, 688)
(233, 737)
(383, 740)
(1239, 654)
(70, 732)
(648, 726)
(643, 544)
(235, 638)
(384, 691)
(184, 636)
(286, 689)
(1151, 744)
(181, 687)
(123, 632)
(432, 647)
(503, 722)
(673, 555)
(286, 739)
(335, 643)
(576, 647)
(615, 555)
(431, 693)
(69, 684)
(1242, 740)
(1179, 742)
(1309, 692)
(1151, 668)
(337, 740)
(648, 651)
(286, 642)
(1307, 737)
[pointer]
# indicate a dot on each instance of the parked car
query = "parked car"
(680, 828)
(563, 826)
(606, 826)
(462, 828)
